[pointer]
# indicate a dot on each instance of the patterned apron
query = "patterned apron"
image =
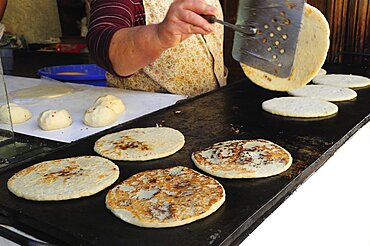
(192, 67)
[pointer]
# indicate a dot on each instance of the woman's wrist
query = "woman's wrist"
(134, 48)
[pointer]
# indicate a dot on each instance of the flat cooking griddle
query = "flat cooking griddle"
(232, 112)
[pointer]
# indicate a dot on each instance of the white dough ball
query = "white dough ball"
(99, 116)
(111, 101)
(54, 119)
(18, 114)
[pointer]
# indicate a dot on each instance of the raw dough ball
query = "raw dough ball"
(111, 101)
(19, 114)
(54, 119)
(99, 116)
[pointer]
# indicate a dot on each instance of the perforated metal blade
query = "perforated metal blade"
(272, 47)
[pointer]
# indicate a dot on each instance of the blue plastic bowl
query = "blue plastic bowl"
(83, 74)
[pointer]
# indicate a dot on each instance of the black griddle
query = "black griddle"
(232, 112)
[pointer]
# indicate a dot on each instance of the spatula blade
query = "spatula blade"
(272, 48)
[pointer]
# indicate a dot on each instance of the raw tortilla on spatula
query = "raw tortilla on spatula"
(311, 51)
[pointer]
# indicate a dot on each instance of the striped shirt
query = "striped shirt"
(106, 18)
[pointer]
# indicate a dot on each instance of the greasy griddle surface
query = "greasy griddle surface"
(233, 112)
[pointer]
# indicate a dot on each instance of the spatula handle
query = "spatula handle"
(209, 18)
(249, 31)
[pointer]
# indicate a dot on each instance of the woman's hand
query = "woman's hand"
(182, 20)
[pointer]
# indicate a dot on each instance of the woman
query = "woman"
(163, 46)
(3, 4)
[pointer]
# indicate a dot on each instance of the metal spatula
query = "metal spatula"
(266, 34)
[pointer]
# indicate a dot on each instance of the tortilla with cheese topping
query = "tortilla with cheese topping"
(165, 197)
(243, 159)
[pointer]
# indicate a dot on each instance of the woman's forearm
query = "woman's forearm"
(133, 48)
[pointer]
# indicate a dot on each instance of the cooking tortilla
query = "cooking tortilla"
(342, 80)
(243, 159)
(165, 197)
(64, 179)
(312, 47)
(140, 144)
(303, 107)
(324, 92)
(321, 72)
